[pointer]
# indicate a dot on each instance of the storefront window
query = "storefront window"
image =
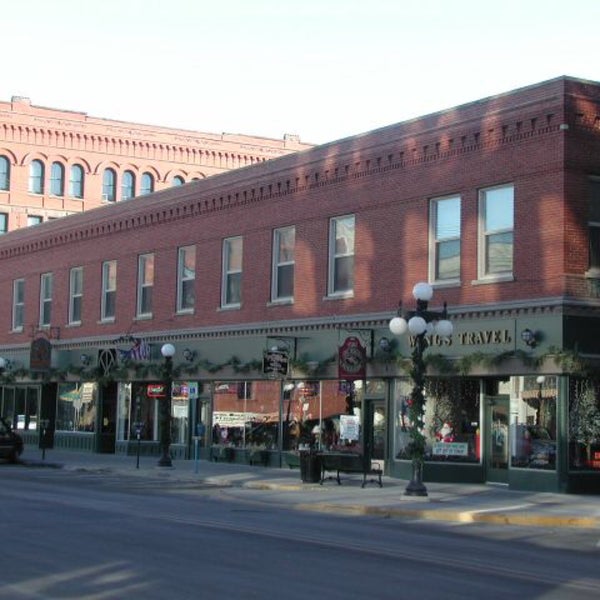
(139, 406)
(246, 414)
(584, 424)
(533, 422)
(76, 407)
(20, 406)
(451, 421)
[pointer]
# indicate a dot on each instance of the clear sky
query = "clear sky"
(322, 69)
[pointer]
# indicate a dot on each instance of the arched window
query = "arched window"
(36, 177)
(109, 185)
(178, 180)
(147, 186)
(57, 179)
(4, 173)
(127, 185)
(76, 182)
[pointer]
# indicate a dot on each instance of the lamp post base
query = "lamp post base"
(165, 461)
(415, 486)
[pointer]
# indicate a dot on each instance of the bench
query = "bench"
(350, 463)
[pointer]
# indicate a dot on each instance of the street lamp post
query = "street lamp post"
(168, 351)
(419, 323)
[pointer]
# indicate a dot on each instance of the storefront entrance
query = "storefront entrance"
(496, 454)
(375, 430)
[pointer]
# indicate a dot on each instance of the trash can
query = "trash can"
(310, 467)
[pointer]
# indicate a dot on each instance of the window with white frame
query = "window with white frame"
(76, 181)
(75, 294)
(145, 285)
(4, 173)
(127, 185)
(109, 290)
(57, 179)
(18, 308)
(444, 255)
(594, 227)
(36, 177)
(341, 255)
(46, 284)
(231, 292)
(496, 235)
(34, 220)
(186, 278)
(284, 242)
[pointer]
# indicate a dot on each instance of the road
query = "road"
(93, 536)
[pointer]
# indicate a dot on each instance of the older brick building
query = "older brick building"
(302, 260)
(58, 162)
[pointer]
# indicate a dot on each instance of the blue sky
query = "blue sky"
(322, 69)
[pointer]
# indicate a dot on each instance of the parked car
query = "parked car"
(11, 443)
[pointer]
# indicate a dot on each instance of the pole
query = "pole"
(165, 421)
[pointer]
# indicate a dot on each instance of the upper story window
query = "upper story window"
(4, 173)
(341, 255)
(147, 184)
(34, 220)
(109, 185)
(284, 242)
(178, 180)
(76, 182)
(496, 236)
(18, 307)
(145, 285)
(75, 295)
(3, 222)
(127, 185)
(594, 227)
(36, 177)
(109, 290)
(46, 284)
(186, 278)
(231, 289)
(57, 179)
(444, 255)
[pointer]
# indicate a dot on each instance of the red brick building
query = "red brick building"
(304, 258)
(59, 162)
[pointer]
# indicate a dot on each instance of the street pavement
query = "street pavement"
(453, 502)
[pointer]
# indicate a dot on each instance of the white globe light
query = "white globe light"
(417, 325)
(398, 326)
(444, 328)
(168, 350)
(423, 291)
(2, 363)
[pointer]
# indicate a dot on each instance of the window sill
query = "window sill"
(74, 324)
(493, 279)
(448, 283)
(146, 317)
(593, 273)
(106, 321)
(339, 296)
(227, 307)
(182, 313)
(282, 302)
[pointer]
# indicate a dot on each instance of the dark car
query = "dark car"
(11, 443)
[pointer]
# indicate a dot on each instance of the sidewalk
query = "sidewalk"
(465, 503)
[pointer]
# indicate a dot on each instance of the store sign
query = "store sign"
(275, 362)
(156, 390)
(450, 449)
(352, 360)
(40, 355)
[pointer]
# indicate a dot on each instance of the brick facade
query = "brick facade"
(29, 132)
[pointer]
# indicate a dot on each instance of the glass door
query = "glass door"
(497, 442)
(375, 431)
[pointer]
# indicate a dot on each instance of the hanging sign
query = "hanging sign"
(156, 390)
(352, 360)
(275, 362)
